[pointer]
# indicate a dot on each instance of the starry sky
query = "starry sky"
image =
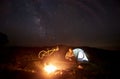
(92, 23)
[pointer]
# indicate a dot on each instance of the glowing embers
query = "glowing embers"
(80, 54)
(50, 68)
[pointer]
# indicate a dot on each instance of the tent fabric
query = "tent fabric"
(80, 54)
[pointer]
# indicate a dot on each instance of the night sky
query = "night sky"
(94, 23)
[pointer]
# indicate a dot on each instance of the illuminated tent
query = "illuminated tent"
(80, 55)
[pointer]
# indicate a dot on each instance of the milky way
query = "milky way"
(72, 22)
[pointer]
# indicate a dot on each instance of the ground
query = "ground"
(24, 64)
